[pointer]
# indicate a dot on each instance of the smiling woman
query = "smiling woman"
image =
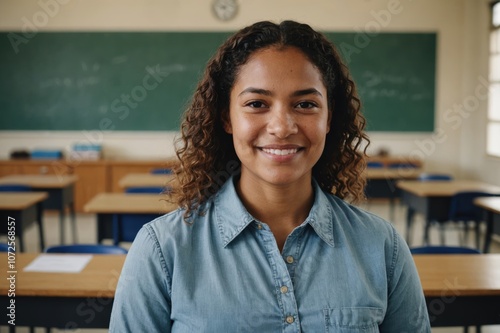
(273, 247)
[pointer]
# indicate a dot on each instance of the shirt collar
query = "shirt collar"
(232, 217)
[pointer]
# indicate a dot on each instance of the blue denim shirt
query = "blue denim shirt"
(342, 270)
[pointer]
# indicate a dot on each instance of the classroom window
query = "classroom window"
(493, 126)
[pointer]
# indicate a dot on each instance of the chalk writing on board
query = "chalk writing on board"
(373, 85)
(119, 60)
(69, 82)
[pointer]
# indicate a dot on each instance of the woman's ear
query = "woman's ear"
(329, 121)
(226, 123)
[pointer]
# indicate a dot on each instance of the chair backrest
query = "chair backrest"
(374, 164)
(424, 177)
(462, 207)
(162, 171)
(4, 247)
(402, 165)
(14, 188)
(86, 248)
(443, 250)
(126, 226)
(147, 189)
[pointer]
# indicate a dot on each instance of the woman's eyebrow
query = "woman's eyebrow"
(252, 90)
(308, 91)
(302, 92)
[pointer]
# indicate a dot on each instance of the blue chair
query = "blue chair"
(443, 250)
(126, 226)
(424, 177)
(14, 188)
(374, 164)
(86, 248)
(147, 189)
(463, 210)
(4, 247)
(402, 165)
(429, 177)
(162, 171)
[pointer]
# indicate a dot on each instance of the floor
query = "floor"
(86, 226)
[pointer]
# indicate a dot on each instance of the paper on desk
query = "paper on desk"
(58, 263)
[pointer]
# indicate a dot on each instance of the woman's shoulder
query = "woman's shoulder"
(174, 225)
(355, 213)
(355, 222)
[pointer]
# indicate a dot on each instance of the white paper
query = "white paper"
(58, 263)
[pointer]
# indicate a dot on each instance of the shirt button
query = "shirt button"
(290, 319)
(284, 289)
(259, 226)
(289, 259)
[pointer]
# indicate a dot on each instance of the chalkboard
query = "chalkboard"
(144, 80)
(395, 78)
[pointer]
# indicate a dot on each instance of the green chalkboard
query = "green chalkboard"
(143, 80)
(395, 78)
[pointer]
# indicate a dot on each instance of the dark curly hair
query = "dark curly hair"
(206, 152)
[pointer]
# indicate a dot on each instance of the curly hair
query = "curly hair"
(206, 152)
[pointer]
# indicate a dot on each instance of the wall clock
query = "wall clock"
(225, 10)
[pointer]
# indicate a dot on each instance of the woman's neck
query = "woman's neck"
(282, 207)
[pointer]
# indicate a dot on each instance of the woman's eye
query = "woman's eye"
(256, 104)
(306, 105)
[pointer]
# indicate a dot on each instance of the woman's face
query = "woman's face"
(278, 116)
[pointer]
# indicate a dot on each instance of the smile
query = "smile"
(280, 152)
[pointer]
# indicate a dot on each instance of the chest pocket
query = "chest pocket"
(353, 320)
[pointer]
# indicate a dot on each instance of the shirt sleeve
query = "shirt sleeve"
(406, 308)
(142, 298)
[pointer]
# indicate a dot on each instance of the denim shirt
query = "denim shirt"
(343, 270)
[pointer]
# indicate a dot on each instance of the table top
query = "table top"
(489, 203)
(40, 181)
(146, 179)
(97, 279)
(459, 275)
(440, 275)
(444, 188)
(390, 173)
(111, 203)
(20, 200)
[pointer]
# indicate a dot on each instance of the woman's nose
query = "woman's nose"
(282, 123)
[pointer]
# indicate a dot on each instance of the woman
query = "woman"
(260, 243)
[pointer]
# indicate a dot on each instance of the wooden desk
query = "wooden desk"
(491, 205)
(146, 180)
(63, 300)
(24, 208)
(432, 199)
(105, 205)
(60, 190)
(461, 290)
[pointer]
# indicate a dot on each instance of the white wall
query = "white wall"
(461, 25)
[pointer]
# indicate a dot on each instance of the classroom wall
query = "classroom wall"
(457, 146)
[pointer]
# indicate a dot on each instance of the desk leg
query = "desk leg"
(61, 225)
(73, 222)
(410, 212)
(391, 209)
(21, 240)
(489, 231)
(39, 218)
(428, 223)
